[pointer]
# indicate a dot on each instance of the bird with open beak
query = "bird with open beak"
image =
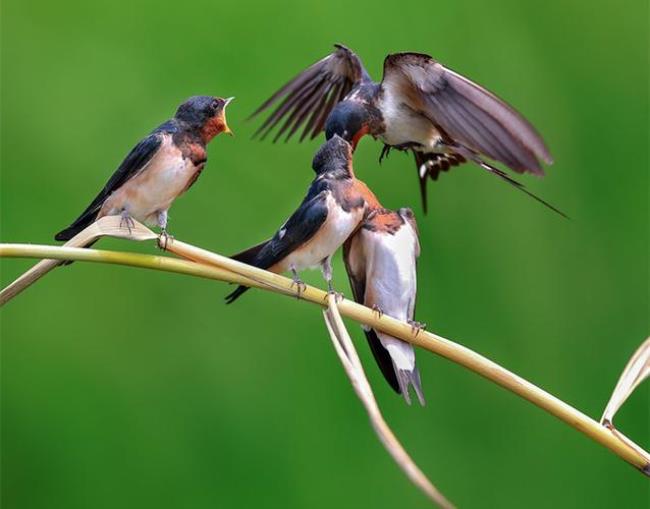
(420, 106)
(335, 205)
(161, 167)
(380, 259)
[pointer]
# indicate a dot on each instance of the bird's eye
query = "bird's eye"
(215, 104)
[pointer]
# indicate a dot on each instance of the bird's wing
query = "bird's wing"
(310, 97)
(465, 112)
(303, 224)
(355, 267)
(298, 229)
(133, 164)
(409, 217)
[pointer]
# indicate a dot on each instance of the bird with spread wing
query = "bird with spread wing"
(420, 106)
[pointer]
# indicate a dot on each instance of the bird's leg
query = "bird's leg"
(416, 327)
(326, 267)
(410, 145)
(297, 282)
(164, 237)
(377, 310)
(385, 152)
(127, 221)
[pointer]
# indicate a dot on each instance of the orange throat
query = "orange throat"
(216, 125)
(359, 134)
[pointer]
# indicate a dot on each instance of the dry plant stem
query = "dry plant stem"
(350, 359)
(161, 263)
(635, 372)
(106, 226)
(237, 272)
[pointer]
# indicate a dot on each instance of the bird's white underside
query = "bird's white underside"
(391, 283)
(402, 125)
(153, 190)
(338, 226)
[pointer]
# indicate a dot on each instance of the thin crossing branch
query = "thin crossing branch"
(214, 266)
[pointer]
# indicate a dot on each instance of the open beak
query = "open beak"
(226, 129)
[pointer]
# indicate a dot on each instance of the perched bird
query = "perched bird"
(335, 205)
(380, 260)
(420, 106)
(159, 168)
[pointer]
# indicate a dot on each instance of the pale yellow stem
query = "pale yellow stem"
(236, 272)
(349, 358)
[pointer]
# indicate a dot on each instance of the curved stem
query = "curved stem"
(225, 269)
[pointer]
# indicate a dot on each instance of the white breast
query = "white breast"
(403, 125)
(391, 284)
(333, 233)
(155, 187)
(391, 281)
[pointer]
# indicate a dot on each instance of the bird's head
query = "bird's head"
(334, 156)
(349, 120)
(205, 114)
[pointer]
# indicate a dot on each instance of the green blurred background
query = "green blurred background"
(128, 388)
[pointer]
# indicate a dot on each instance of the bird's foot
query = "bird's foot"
(406, 146)
(164, 238)
(378, 311)
(300, 286)
(385, 152)
(416, 327)
(126, 221)
(338, 296)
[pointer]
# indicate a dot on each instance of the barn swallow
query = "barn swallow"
(380, 259)
(335, 205)
(159, 168)
(420, 106)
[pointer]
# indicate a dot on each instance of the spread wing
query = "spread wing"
(309, 98)
(357, 277)
(134, 162)
(465, 113)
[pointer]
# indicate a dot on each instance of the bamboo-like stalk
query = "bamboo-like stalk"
(349, 358)
(229, 270)
(106, 226)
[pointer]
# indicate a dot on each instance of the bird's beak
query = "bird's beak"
(226, 129)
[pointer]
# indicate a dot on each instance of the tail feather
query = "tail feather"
(383, 360)
(79, 225)
(233, 296)
(86, 218)
(430, 165)
(469, 155)
(402, 356)
(398, 378)
(406, 377)
(249, 257)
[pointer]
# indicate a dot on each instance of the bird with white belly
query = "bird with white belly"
(380, 260)
(161, 167)
(335, 205)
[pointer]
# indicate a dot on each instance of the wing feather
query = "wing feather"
(133, 163)
(357, 277)
(465, 112)
(311, 95)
